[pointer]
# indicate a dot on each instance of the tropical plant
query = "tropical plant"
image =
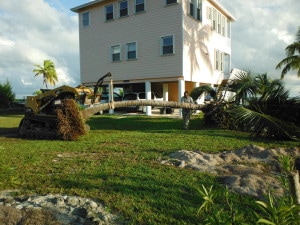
(260, 106)
(219, 208)
(198, 91)
(292, 60)
(278, 212)
(208, 196)
(37, 92)
(267, 109)
(48, 71)
(6, 94)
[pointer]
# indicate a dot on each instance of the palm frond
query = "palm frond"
(261, 124)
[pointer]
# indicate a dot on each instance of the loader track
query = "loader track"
(26, 130)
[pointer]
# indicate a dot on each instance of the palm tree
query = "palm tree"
(292, 61)
(269, 111)
(48, 71)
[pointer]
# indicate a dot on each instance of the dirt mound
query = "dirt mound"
(250, 170)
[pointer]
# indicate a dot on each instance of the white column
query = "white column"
(111, 95)
(148, 97)
(166, 92)
(181, 89)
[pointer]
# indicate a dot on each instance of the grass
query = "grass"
(117, 163)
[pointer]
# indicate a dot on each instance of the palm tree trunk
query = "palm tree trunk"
(88, 112)
(295, 186)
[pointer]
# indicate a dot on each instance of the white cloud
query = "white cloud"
(47, 29)
(31, 33)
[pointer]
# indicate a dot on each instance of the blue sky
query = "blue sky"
(48, 29)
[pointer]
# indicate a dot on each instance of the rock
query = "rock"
(61, 209)
(249, 170)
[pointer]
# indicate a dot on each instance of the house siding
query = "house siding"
(199, 45)
(146, 29)
(195, 44)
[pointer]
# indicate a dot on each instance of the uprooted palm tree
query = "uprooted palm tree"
(292, 60)
(48, 71)
(261, 106)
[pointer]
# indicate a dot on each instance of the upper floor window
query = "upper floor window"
(209, 13)
(85, 19)
(195, 9)
(192, 7)
(223, 26)
(109, 12)
(116, 53)
(214, 19)
(167, 45)
(199, 10)
(123, 8)
(131, 50)
(168, 2)
(218, 21)
(139, 6)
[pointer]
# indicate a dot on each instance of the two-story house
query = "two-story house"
(163, 46)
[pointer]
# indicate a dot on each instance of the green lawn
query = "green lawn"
(117, 163)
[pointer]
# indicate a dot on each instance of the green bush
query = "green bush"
(6, 94)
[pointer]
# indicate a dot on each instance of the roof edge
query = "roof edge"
(77, 8)
(215, 2)
(232, 18)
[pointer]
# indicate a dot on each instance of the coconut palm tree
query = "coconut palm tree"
(292, 61)
(268, 111)
(48, 71)
(261, 106)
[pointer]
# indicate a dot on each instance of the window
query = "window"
(199, 10)
(223, 26)
(123, 8)
(228, 30)
(195, 9)
(85, 19)
(167, 45)
(168, 2)
(139, 6)
(219, 60)
(214, 19)
(209, 13)
(116, 53)
(192, 8)
(131, 50)
(219, 23)
(109, 12)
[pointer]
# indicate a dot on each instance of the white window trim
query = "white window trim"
(88, 19)
(140, 11)
(114, 13)
(191, 2)
(111, 53)
(171, 3)
(136, 50)
(196, 6)
(161, 44)
(219, 60)
(119, 9)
